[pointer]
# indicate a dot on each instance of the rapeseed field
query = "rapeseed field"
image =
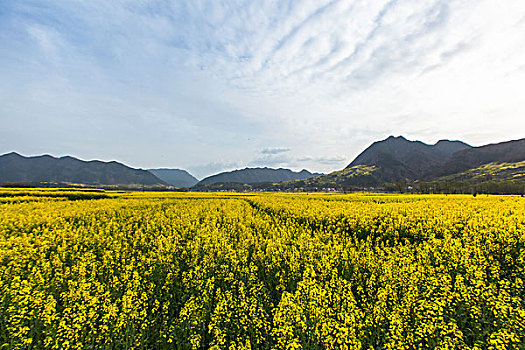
(122, 270)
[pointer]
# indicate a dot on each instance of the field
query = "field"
(121, 270)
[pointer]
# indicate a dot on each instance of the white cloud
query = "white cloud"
(193, 82)
(275, 150)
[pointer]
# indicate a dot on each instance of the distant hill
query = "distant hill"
(17, 168)
(257, 175)
(175, 177)
(472, 158)
(398, 159)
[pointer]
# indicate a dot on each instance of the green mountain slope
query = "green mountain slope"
(358, 175)
(490, 172)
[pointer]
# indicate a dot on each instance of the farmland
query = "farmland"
(132, 270)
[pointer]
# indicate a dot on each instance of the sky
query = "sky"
(214, 85)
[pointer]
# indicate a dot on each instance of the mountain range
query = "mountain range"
(394, 160)
(398, 160)
(17, 168)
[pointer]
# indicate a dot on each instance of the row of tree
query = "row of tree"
(459, 187)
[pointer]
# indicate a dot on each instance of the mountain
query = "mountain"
(257, 175)
(17, 168)
(398, 159)
(504, 152)
(175, 177)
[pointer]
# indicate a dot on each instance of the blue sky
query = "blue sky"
(216, 85)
